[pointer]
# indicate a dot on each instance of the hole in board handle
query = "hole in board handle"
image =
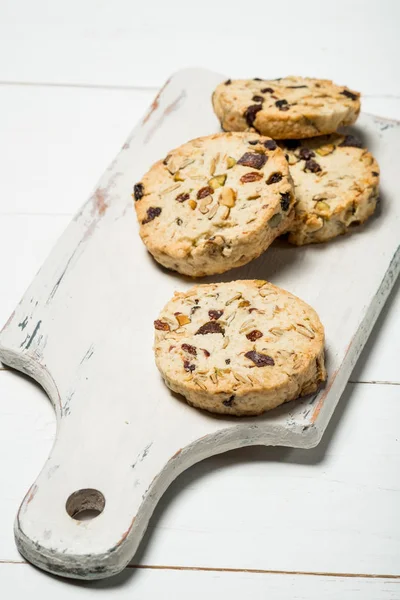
(86, 504)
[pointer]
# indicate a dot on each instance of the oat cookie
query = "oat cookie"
(336, 186)
(239, 348)
(215, 203)
(288, 108)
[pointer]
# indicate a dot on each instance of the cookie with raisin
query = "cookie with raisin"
(288, 108)
(239, 348)
(336, 186)
(215, 203)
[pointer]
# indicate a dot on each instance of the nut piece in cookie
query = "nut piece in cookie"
(336, 187)
(247, 347)
(215, 203)
(287, 108)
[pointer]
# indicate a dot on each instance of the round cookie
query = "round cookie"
(336, 186)
(288, 108)
(239, 348)
(215, 203)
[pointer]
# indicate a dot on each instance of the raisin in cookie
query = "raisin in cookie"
(239, 348)
(336, 186)
(289, 108)
(215, 203)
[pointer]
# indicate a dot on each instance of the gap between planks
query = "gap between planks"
(35, 214)
(136, 88)
(376, 382)
(5, 368)
(84, 86)
(239, 570)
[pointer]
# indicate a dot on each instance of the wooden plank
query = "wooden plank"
(19, 581)
(92, 42)
(380, 104)
(27, 421)
(378, 361)
(25, 242)
(55, 142)
(261, 508)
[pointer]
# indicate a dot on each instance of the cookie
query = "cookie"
(215, 203)
(239, 348)
(289, 108)
(336, 186)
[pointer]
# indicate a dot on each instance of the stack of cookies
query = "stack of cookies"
(218, 202)
(335, 178)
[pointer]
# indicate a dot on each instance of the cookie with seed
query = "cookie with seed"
(239, 348)
(288, 108)
(215, 203)
(336, 186)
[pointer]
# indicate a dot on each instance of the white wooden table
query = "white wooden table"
(258, 522)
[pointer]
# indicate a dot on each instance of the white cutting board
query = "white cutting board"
(84, 331)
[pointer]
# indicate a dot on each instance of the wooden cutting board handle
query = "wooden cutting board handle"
(97, 472)
(86, 513)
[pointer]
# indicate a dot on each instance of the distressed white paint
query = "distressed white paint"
(378, 361)
(84, 332)
(28, 240)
